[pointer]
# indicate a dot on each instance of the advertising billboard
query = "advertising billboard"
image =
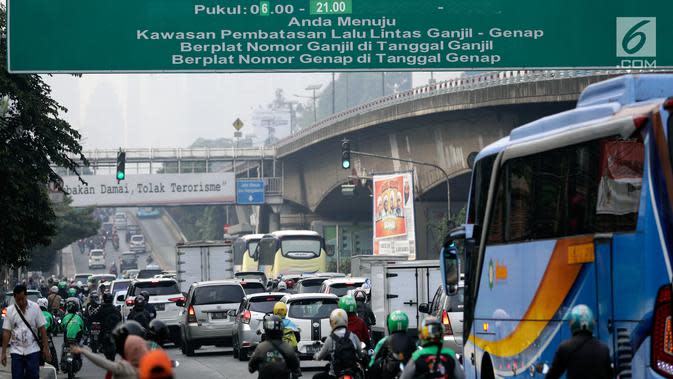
(152, 190)
(393, 214)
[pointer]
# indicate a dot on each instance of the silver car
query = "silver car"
(449, 310)
(205, 319)
(248, 320)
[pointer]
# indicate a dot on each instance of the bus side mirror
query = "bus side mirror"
(452, 290)
(450, 264)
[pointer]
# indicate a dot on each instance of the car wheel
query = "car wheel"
(234, 351)
(242, 354)
(188, 348)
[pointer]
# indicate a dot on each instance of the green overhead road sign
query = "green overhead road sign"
(335, 35)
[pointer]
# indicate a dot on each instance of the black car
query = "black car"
(131, 230)
(128, 260)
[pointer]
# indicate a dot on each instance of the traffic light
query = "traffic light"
(121, 165)
(346, 154)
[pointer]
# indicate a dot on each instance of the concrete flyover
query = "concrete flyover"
(441, 123)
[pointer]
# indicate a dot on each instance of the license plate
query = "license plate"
(159, 307)
(310, 349)
(218, 315)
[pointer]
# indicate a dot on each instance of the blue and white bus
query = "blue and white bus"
(574, 208)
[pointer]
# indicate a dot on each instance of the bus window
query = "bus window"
(480, 184)
(239, 249)
(252, 246)
(302, 248)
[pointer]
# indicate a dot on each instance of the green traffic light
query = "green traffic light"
(120, 175)
(346, 164)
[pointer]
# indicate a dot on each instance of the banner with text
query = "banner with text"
(152, 190)
(332, 35)
(394, 225)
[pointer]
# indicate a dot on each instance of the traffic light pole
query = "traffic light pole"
(446, 175)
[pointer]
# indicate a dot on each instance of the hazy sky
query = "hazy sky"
(172, 110)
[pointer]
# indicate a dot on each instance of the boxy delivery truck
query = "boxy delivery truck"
(203, 260)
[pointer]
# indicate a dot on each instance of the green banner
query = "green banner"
(335, 35)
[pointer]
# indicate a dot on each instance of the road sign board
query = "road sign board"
(238, 124)
(249, 191)
(329, 35)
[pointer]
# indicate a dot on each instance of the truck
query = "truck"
(392, 289)
(198, 261)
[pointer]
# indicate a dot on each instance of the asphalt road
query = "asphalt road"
(209, 362)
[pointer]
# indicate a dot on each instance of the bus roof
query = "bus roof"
(249, 237)
(295, 233)
(599, 101)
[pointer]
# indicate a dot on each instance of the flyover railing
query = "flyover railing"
(176, 154)
(490, 79)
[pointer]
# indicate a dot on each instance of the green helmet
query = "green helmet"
(62, 285)
(348, 304)
(398, 321)
(581, 319)
(72, 292)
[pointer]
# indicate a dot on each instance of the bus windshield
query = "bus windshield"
(305, 248)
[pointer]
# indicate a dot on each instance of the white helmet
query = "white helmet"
(53, 289)
(338, 318)
(282, 285)
(79, 284)
(42, 302)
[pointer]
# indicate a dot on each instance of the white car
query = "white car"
(164, 294)
(120, 221)
(310, 312)
(120, 297)
(137, 243)
(96, 258)
(341, 286)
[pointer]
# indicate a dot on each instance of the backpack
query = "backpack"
(391, 360)
(345, 356)
(435, 366)
(289, 337)
(111, 320)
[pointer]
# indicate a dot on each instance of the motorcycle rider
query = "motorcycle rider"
(63, 289)
(51, 327)
(363, 309)
(432, 361)
(583, 355)
(73, 329)
(122, 331)
(139, 312)
(290, 330)
(157, 334)
(274, 358)
(355, 323)
(54, 300)
(393, 349)
(149, 307)
(107, 315)
(341, 347)
(281, 287)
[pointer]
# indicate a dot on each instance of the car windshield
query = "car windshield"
(258, 276)
(81, 278)
(146, 274)
(263, 304)
(341, 289)
(311, 308)
(223, 294)
(120, 286)
(253, 287)
(300, 247)
(32, 296)
(310, 286)
(137, 239)
(101, 278)
(156, 288)
(129, 258)
(96, 253)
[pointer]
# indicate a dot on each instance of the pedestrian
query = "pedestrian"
(273, 358)
(156, 365)
(23, 323)
(583, 355)
(134, 349)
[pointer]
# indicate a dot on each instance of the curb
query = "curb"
(172, 226)
(69, 269)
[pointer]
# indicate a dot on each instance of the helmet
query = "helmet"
(108, 298)
(273, 326)
(145, 295)
(289, 283)
(121, 331)
(581, 319)
(280, 309)
(72, 306)
(338, 318)
(282, 286)
(62, 285)
(348, 304)
(140, 301)
(53, 289)
(72, 292)
(158, 332)
(398, 321)
(360, 295)
(79, 284)
(431, 331)
(43, 303)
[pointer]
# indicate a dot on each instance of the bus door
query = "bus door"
(604, 308)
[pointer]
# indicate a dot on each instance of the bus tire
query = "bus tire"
(487, 368)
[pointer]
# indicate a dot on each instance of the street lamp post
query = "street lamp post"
(314, 87)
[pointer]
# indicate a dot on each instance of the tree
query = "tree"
(32, 137)
(71, 225)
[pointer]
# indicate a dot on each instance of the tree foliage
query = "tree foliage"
(71, 225)
(32, 137)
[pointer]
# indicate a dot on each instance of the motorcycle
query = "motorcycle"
(71, 363)
(93, 336)
(115, 242)
(52, 351)
(107, 346)
(82, 246)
